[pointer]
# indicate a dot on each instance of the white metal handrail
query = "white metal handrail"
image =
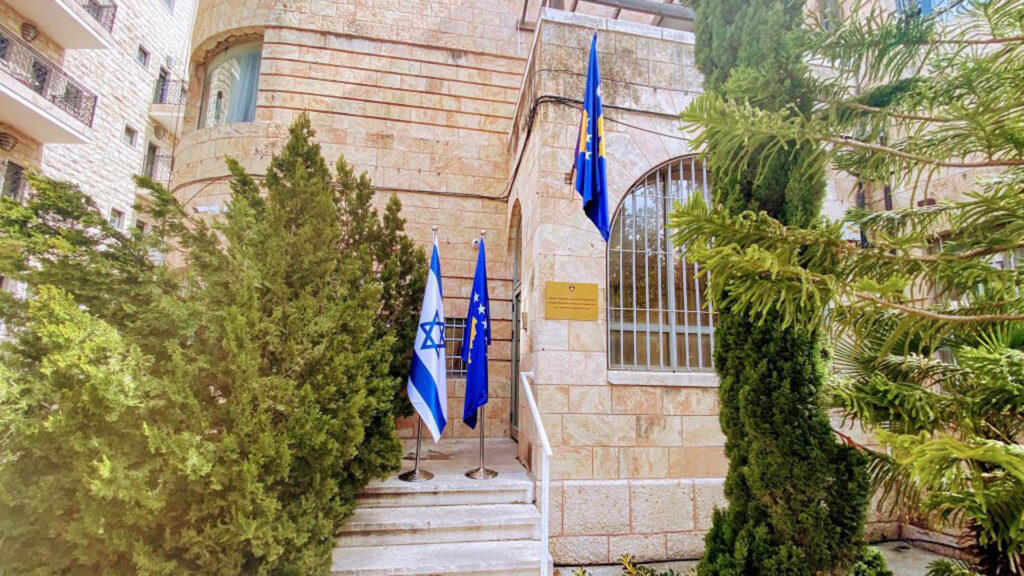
(545, 476)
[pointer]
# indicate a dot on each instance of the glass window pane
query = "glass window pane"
(659, 317)
(453, 332)
(231, 85)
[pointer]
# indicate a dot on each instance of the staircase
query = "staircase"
(449, 525)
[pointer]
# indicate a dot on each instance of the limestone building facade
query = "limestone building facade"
(468, 112)
(90, 91)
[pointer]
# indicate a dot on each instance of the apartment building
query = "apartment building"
(91, 92)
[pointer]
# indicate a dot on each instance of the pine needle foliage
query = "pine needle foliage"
(927, 318)
(797, 497)
(215, 418)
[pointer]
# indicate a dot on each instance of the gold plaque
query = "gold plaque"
(571, 301)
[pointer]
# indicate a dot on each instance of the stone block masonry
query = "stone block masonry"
(469, 120)
(405, 93)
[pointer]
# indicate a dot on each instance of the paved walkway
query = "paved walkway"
(903, 560)
(906, 560)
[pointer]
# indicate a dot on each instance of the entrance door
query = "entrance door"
(517, 290)
(514, 416)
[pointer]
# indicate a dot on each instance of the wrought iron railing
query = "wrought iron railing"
(158, 167)
(170, 92)
(103, 12)
(24, 64)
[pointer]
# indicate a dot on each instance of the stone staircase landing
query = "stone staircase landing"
(449, 525)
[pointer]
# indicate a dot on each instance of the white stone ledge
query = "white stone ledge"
(675, 379)
(602, 23)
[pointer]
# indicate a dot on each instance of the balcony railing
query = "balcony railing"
(45, 78)
(103, 12)
(170, 92)
(158, 167)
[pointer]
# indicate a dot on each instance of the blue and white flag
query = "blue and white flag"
(475, 339)
(591, 181)
(427, 388)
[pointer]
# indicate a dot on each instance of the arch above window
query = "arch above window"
(658, 316)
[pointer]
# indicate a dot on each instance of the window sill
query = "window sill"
(673, 379)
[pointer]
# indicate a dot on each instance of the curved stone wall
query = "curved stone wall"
(419, 95)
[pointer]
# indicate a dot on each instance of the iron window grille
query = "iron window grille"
(158, 167)
(161, 168)
(454, 328)
(169, 91)
(102, 12)
(659, 318)
(26, 65)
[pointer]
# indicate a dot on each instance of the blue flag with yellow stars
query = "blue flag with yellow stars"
(476, 337)
(591, 181)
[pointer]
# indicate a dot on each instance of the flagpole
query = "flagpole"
(417, 475)
(481, 473)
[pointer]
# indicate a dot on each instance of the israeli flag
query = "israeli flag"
(428, 389)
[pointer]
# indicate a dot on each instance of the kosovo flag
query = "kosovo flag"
(591, 181)
(476, 336)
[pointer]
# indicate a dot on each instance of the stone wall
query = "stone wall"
(28, 152)
(48, 47)
(639, 459)
(104, 166)
(454, 109)
(413, 95)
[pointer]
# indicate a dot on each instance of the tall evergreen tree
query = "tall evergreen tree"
(928, 314)
(251, 392)
(797, 497)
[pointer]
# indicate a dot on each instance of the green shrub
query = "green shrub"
(797, 497)
(211, 419)
(871, 563)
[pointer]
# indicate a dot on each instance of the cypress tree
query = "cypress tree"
(797, 497)
(219, 417)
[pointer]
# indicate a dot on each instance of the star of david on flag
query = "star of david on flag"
(433, 333)
(427, 387)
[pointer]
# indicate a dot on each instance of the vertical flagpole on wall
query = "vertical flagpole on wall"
(481, 473)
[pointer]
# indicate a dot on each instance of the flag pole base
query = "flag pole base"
(481, 473)
(416, 475)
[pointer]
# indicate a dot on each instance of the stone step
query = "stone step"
(446, 489)
(427, 524)
(507, 558)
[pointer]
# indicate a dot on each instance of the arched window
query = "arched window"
(230, 87)
(658, 315)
